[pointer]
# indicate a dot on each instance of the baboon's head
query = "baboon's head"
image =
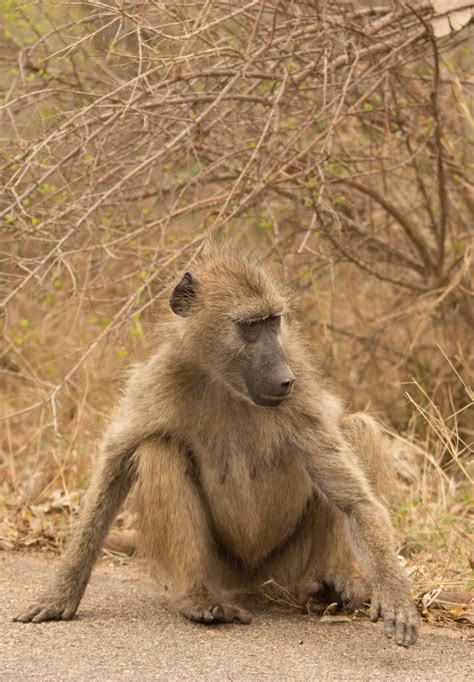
(235, 326)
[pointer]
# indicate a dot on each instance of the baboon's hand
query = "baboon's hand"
(399, 613)
(58, 608)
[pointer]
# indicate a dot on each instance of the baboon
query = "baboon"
(244, 464)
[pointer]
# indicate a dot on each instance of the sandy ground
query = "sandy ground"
(124, 632)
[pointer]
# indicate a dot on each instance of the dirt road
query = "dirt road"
(124, 632)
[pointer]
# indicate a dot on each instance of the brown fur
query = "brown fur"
(231, 493)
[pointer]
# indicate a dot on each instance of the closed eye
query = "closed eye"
(273, 320)
(250, 328)
(249, 323)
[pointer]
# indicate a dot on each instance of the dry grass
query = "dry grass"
(332, 138)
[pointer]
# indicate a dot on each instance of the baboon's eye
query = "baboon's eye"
(251, 327)
(274, 321)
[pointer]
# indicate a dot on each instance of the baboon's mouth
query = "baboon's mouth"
(269, 400)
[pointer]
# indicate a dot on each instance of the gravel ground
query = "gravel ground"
(125, 632)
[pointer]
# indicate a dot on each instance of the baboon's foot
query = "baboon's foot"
(349, 591)
(215, 614)
(48, 609)
(346, 591)
(315, 591)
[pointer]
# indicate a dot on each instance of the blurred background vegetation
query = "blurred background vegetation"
(331, 137)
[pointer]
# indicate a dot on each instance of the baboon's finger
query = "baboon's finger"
(68, 613)
(412, 634)
(46, 614)
(27, 615)
(388, 621)
(400, 629)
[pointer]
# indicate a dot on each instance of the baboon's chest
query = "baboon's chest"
(254, 507)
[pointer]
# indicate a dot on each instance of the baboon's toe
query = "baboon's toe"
(216, 614)
(349, 591)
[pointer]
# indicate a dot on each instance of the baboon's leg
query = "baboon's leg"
(343, 578)
(124, 542)
(320, 561)
(174, 533)
(109, 486)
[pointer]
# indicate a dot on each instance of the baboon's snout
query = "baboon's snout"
(283, 383)
(266, 371)
(271, 383)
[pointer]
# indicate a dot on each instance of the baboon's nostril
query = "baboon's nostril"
(287, 385)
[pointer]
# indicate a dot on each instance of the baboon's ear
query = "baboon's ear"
(183, 295)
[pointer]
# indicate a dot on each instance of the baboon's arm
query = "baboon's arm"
(335, 472)
(110, 484)
(136, 417)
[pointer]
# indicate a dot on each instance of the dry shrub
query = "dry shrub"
(329, 136)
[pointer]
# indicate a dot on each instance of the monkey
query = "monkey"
(245, 465)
